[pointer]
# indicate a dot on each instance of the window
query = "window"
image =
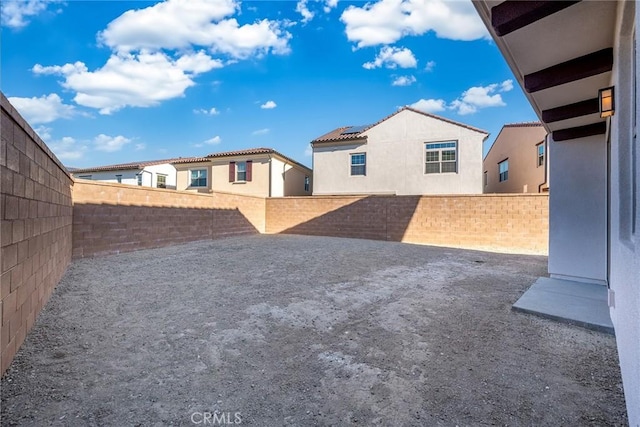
(84, 176)
(306, 184)
(358, 164)
(119, 179)
(441, 157)
(162, 181)
(139, 177)
(503, 170)
(241, 171)
(540, 154)
(199, 178)
(486, 178)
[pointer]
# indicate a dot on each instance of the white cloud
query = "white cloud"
(268, 105)
(393, 57)
(506, 85)
(478, 97)
(329, 4)
(210, 112)
(387, 21)
(43, 132)
(302, 9)
(181, 24)
(430, 66)
(15, 12)
(110, 144)
(308, 152)
(45, 109)
(140, 147)
(68, 148)
(138, 80)
(213, 141)
(403, 81)
(260, 131)
(471, 100)
(158, 50)
(430, 105)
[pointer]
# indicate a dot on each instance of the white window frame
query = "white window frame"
(440, 148)
(243, 166)
(363, 164)
(206, 177)
(163, 175)
(139, 179)
(307, 183)
(503, 175)
(541, 157)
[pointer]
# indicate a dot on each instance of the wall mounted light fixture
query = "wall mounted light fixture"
(607, 102)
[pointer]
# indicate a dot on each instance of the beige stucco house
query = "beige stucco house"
(258, 172)
(577, 63)
(517, 162)
(407, 153)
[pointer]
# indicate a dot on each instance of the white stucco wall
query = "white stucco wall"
(164, 169)
(278, 168)
(128, 176)
(578, 210)
(624, 279)
(395, 162)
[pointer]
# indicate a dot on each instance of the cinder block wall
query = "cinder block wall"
(36, 228)
(112, 218)
(251, 207)
(513, 223)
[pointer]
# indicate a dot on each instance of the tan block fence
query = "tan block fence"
(113, 218)
(513, 223)
(35, 230)
(48, 218)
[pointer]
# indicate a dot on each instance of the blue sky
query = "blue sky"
(106, 82)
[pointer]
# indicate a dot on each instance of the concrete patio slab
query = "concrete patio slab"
(582, 304)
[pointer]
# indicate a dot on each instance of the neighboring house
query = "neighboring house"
(578, 65)
(258, 171)
(517, 161)
(408, 152)
(156, 173)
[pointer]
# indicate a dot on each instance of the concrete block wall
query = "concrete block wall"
(513, 223)
(112, 218)
(35, 228)
(251, 207)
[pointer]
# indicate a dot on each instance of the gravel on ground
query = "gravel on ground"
(297, 330)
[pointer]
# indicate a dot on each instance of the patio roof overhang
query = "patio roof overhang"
(561, 53)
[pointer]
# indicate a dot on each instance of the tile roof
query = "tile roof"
(135, 165)
(523, 124)
(183, 160)
(252, 151)
(336, 134)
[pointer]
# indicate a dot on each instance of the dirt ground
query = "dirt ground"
(296, 330)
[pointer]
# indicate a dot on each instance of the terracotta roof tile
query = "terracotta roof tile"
(134, 165)
(336, 134)
(252, 151)
(523, 124)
